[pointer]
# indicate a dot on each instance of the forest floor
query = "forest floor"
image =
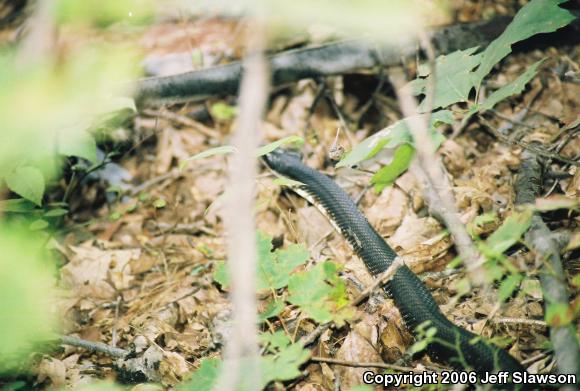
(138, 270)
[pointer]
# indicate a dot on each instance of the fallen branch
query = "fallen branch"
(552, 278)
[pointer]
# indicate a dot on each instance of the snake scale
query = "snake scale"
(452, 344)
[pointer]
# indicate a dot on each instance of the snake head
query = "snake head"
(283, 160)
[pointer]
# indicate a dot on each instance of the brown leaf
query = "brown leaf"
(453, 157)
(388, 211)
(96, 273)
(173, 368)
(413, 231)
(53, 369)
(355, 349)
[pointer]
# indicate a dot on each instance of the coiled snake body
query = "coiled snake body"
(451, 344)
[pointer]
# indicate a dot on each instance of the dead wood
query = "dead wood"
(552, 277)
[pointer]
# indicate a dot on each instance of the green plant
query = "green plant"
(318, 292)
(459, 76)
(281, 362)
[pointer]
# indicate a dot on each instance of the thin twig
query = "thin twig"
(528, 146)
(382, 279)
(531, 322)
(552, 276)
(355, 364)
(182, 120)
(173, 174)
(98, 347)
(534, 358)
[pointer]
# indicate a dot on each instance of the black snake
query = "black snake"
(451, 344)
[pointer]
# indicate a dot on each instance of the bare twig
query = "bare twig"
(98, 347)
(173, 174)
(431, 166)
(529, 146)
(382, 279)
(313, 336)
(355, 364)
(241, 364)
(531, 322)
(552, 276)
(185, 121)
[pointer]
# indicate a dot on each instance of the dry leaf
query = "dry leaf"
(96, 273)
(355, 348)
(53, 369)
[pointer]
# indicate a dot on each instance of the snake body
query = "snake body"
(451, 344)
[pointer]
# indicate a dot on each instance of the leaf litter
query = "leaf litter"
(154, 291)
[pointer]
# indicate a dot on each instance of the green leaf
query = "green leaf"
(454, 79)
(509, 232)
(205, 378)
(509, 285)
(38, 225)
(284, 365)
(538, 16)
(27, 182)
(274, 308)
(18, 205)
(266, 149)
(515, 87)
(159, 203)
(222, 111)
(220, 274)
(480, 221)
(320, 293)
(389, 173)
(57, 212)
(393, 136)
(276, 341)
(222, 150)
(274, 268)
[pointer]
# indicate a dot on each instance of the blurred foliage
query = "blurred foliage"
(281, 362)
(393, 20)
(48, 101)
(26, 282)
(103, 13)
